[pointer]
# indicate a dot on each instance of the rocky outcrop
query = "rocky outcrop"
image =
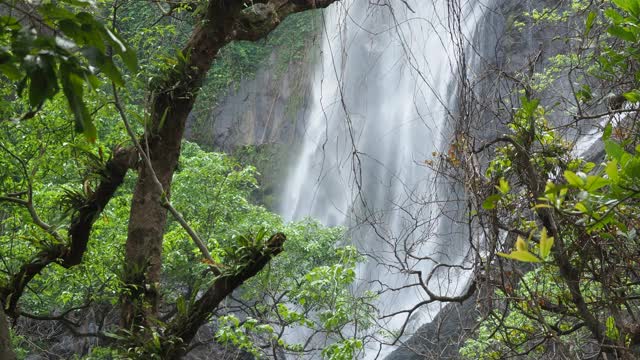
(441, 338)
(266, 109)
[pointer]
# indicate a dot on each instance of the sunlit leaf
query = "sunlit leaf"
(581, 207)
(523, 256)
(612, 170)
(546, 243)
(504, 186)
(573, 179)
(632, 96)
(595, 182)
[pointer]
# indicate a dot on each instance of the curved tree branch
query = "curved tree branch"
(70, 254)
(185, 327)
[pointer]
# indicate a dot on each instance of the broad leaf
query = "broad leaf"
(613, 149)
(612, 170)
(504, 186)
(573, 179)
(622, 33)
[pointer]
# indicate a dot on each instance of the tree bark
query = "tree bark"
(170, 108)
(6, 350)
(172, 101)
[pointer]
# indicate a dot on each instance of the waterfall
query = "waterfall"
(383, 93)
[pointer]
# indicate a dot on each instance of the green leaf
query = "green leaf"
(584, 93)
(573, 179)
(56, 12)
(595, 182)
(589, 23)
(104, 63)
(181, 306)
(614, 16)
(72, 30)
(112, 72)
(43, 83)
(588, 167)
(613, 149)
(582, 208)
(543, 206)
(622, 33)
(128, 56)
(11, 71)
(632, 168)
(72, 85)
(9, 23)
(504, 186)
(521, 244)
(37, 87)
(612, 331)
(612, 171)
(632, 96)
(546, 243)
(630, 6)
(523, 256)
(608, 129)
(490, 202)
(163, 118)
(529, 106)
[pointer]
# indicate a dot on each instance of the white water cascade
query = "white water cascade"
(382, 88)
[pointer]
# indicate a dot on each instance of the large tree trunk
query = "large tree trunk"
(148, 217)
(224, 21)
(143, 257)
(6, 352)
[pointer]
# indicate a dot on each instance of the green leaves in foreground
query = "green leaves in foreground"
(78, 48)
(522, 253)
(503, 190)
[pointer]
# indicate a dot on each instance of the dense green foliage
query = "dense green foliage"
(575, 219)
(41, 64)
(210, 188)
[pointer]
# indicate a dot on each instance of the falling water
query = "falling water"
(382, 90)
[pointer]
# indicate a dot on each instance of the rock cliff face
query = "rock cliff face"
(266, 109)
(260, 118)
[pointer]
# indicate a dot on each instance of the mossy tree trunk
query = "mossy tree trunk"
(172, 101)
(5, 339)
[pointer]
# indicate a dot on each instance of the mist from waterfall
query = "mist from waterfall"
(383, 92)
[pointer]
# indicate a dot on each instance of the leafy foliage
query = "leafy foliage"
(579, 217)
(41, 63)
(49, 174)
